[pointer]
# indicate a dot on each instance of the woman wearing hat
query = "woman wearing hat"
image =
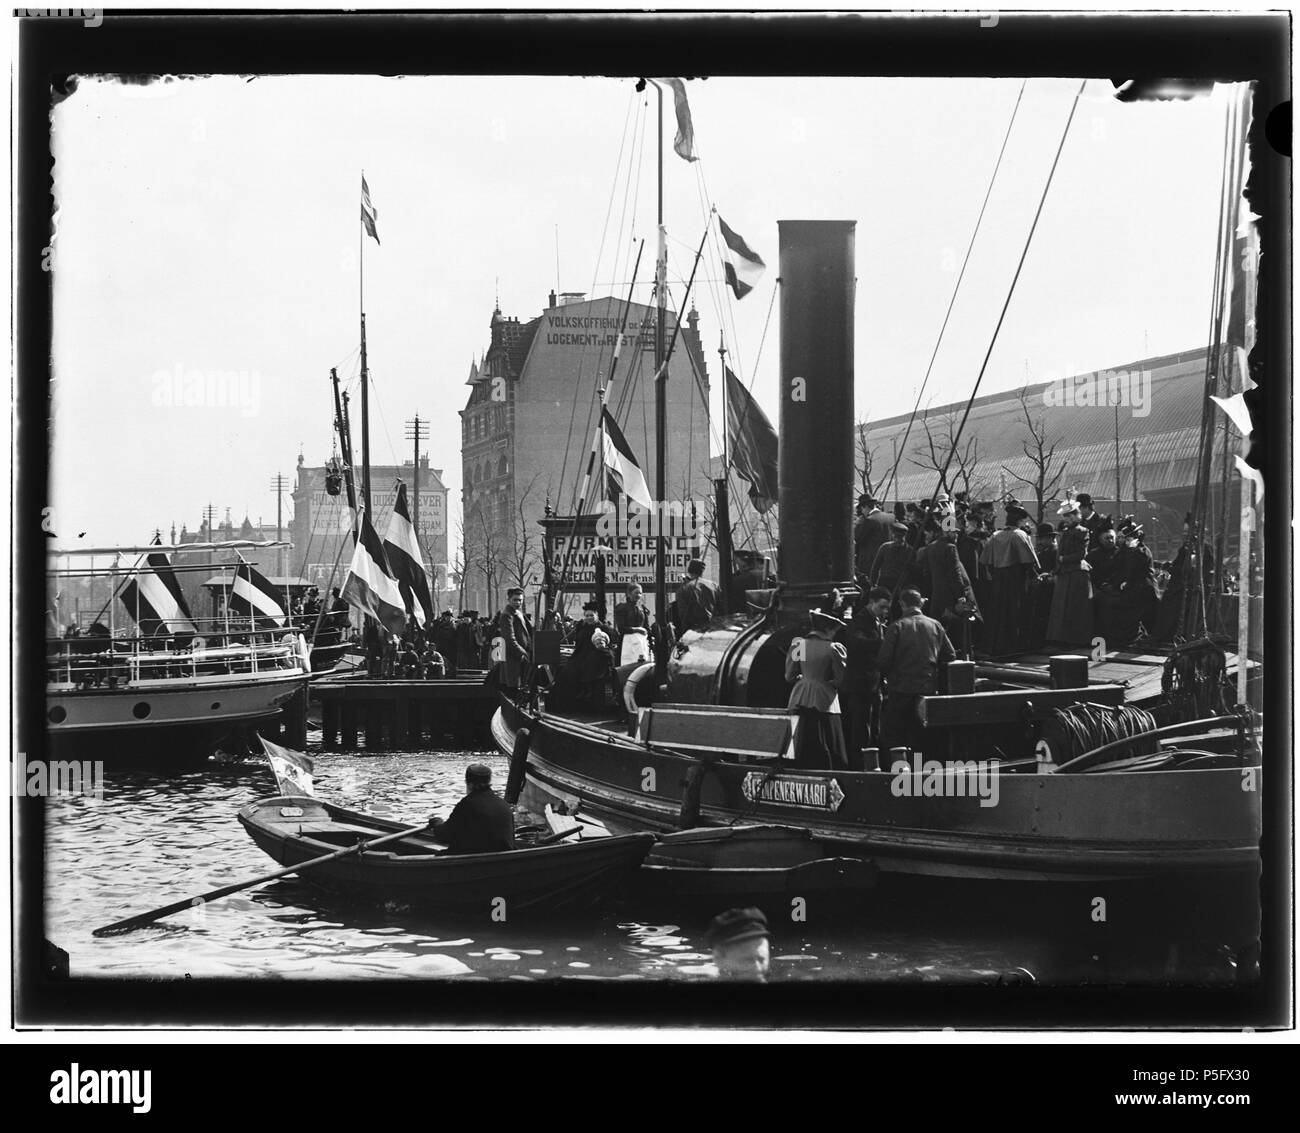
(1134, 607)
(815, 664)
(1013, 568)
(1070, 620)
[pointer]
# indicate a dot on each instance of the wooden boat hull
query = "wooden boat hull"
(1083, 827)
(417, 873)
(172, 722)
(738, 865)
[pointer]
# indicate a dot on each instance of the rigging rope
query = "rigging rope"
(943, 474)
(902, 448)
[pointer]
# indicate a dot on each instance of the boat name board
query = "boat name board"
(793, 790)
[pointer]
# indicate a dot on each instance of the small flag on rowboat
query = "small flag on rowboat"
(742, 265)
(292, 769)
(369, 214)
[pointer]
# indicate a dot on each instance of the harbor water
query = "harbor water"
(158, 837)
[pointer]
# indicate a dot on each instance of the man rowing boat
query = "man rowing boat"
(481, 823)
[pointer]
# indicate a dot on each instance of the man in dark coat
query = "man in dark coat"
(1092, 520)
(481, 823)
(444, 640)
(696, 599)
(860, 689)
(871, 531)
(517, 641)
(944, 582)
(914, 648)
(467, 641)
(1012, 568)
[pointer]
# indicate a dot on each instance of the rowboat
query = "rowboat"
(566, 877)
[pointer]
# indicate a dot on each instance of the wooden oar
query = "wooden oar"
(225, 891)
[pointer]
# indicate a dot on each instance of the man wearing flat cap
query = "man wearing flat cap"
(739, 940)
(481, 823)
(696, 599)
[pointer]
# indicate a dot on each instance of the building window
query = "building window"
(502, 466)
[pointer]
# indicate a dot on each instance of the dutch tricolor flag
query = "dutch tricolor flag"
(369, 214)
(254, 596)
(622, 465)
(371, 586)
(154, 599)
(407, 561)
(743, 266)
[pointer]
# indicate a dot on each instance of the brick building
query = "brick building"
(527, 426)
(321, 524)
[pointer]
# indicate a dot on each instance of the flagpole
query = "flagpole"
(663, 634)
(365, 374)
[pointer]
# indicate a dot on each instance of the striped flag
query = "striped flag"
(743, 266)
(153, 597)
(371, 587)
(369, 214)
(404, 556)
(754, 445)
(254, 595)
(622, 465)
(684, 142)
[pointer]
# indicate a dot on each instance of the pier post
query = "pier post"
(329, 737)
(348, 710)
(374, 725)
(400, 710)
(295, 720)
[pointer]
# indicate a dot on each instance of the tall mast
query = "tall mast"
(365, 369)
(661, 402)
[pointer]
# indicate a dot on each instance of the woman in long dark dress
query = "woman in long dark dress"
(1134, 607)
(1070, 620)
(815, 664)
(587, 672)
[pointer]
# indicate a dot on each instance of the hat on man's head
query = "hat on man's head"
(1016, 514)
(899, 527)
(695, 566)
(478, 773)
(735, 925)
(515, 591)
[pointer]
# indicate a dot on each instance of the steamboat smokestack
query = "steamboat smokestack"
(816, 456)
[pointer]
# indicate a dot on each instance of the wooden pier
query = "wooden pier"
(404, 715)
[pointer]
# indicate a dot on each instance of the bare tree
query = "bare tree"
(869, 481)
(1045, 472)
(482, 551)
(522, 543)
(958, 472)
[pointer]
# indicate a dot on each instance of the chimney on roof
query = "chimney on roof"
(567, 297)
(550, 302)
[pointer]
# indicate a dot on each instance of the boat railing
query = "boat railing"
(102, 662)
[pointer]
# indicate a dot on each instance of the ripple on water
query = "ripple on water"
(154, 838)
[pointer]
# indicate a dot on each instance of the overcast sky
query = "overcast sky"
(212, 226)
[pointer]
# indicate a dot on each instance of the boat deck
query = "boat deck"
(1140, 671)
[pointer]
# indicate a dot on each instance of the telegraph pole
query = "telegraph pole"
(417, 430)
(278, 482)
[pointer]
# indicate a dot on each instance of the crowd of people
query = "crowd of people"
(940, 581)
(1013, 588)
